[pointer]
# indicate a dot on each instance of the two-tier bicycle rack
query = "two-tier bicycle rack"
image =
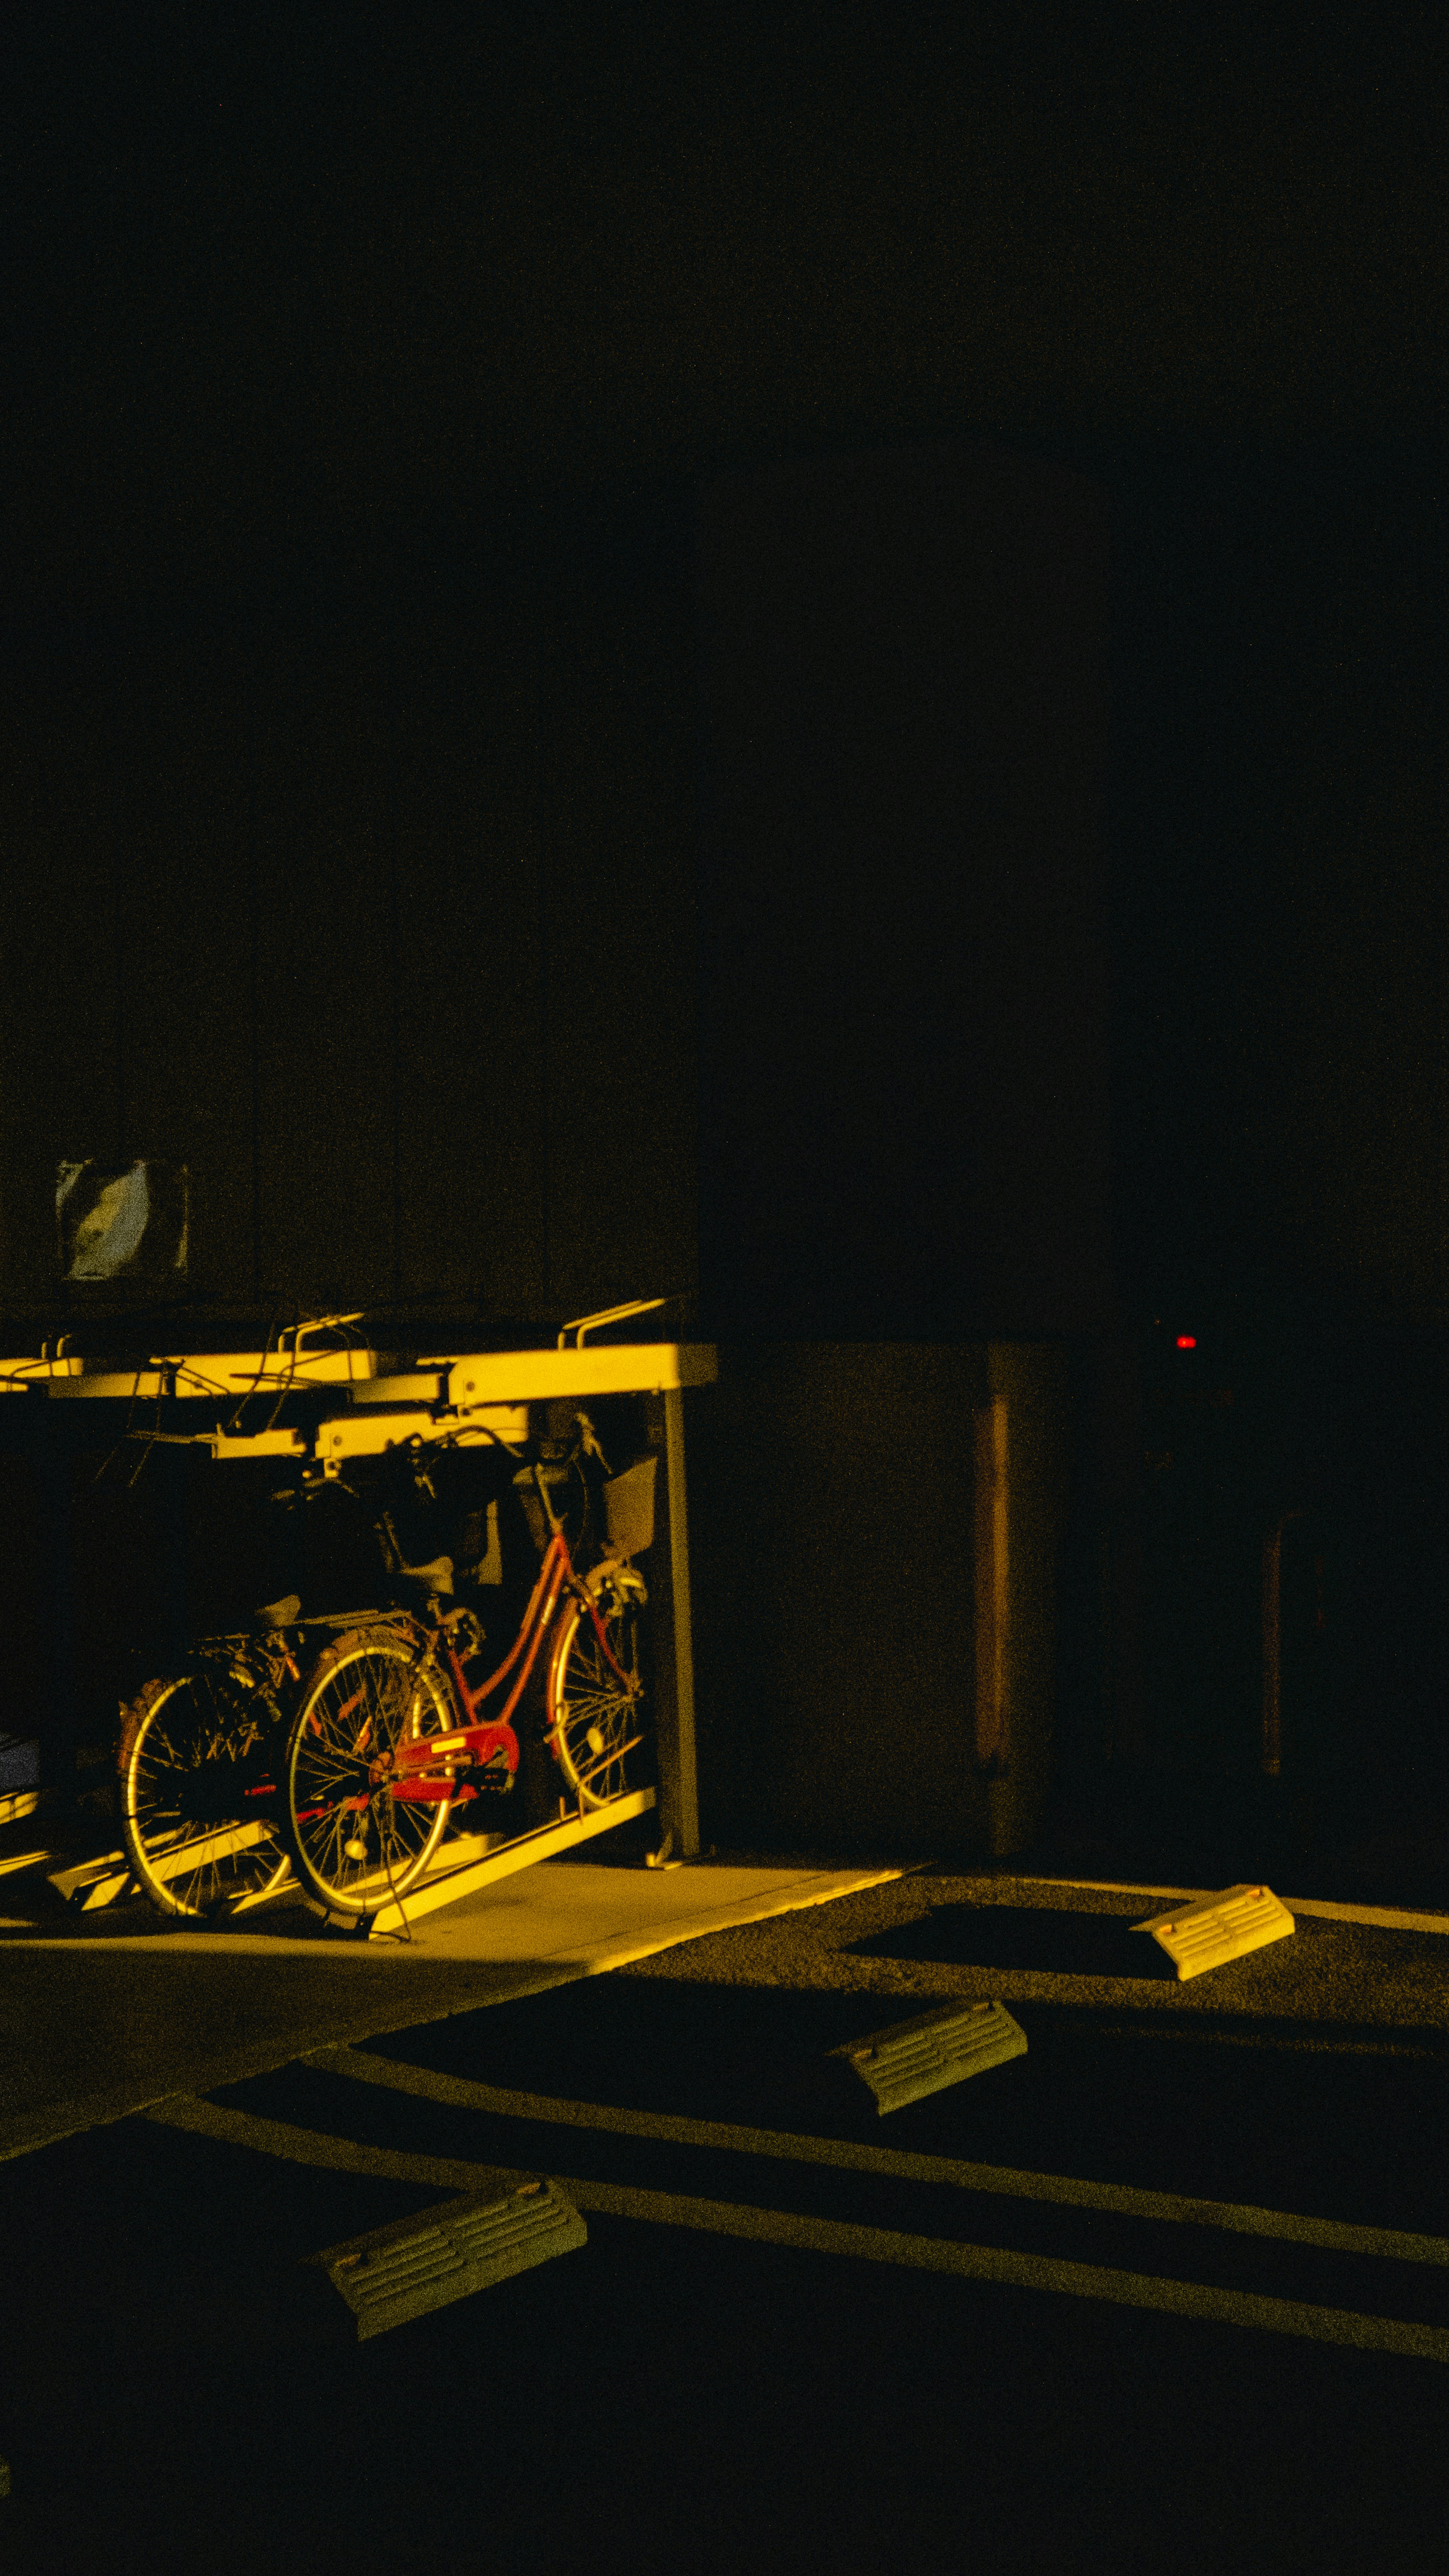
(489, 1393)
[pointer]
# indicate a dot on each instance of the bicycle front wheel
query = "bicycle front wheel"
(594, 1700)
(353, 1842)
(198, 1806)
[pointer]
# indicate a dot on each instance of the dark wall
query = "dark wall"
(1280, 928)
(1336, 1438)
(834, 1616)
(377, 910)
(836, 1558)
(376, 914)
(904, 1002)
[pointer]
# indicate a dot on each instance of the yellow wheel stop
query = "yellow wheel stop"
(932, 2050)
(413, 2265)
(1214, 1929)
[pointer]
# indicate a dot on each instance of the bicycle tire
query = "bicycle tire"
(369, 1690)
(593, 1720)
(192, 1753)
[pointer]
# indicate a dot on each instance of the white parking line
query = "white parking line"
(1391, 1918)
(1121, 2199)
(831, 2236)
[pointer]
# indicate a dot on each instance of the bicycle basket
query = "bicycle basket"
(629, 1504)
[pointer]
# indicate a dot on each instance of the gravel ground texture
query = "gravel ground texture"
(933, 1937)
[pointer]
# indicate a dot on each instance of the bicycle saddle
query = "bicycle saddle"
(280, 1614)
(438, 1576)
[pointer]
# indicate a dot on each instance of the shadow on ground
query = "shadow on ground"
(1057, 1943)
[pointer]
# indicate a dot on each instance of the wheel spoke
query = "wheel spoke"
(188, 1762)
(374, 1697)
(589, 1700)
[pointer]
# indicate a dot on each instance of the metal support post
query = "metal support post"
(674, 1667)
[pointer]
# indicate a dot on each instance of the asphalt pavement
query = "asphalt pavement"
(1175, 2277)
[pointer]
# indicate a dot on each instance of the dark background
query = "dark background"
(327, 331)
(369, 382)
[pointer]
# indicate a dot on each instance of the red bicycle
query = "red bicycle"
(389, 1739)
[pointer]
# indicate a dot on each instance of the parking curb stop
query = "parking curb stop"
(1215, 1929)
(932, 2050)
(413, 2265)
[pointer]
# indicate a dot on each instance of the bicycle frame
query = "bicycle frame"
(480, 1741)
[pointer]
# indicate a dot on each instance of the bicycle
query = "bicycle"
(196, 1768)
(388, 1740)
(198, 1761)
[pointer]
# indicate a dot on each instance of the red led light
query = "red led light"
(1187, 1341)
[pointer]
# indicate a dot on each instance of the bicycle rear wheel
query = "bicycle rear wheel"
(352, 1842)
(196, 1758)
(594, 1712)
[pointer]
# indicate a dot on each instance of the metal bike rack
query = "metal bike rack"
(489, 1392)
